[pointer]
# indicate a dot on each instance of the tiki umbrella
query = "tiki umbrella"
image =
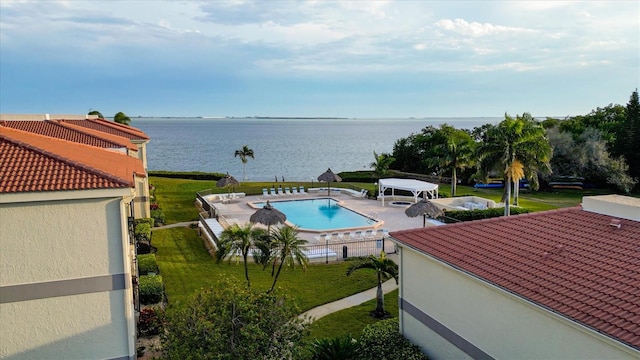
(268, 215)
(329, 177)
(227, 181)
(425, 208)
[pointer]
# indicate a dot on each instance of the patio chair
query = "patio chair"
(287, 191)
(272, 192)
(302, 192)
(357, 235)
(280, 192)
(370, 235)
(334, 237)
(265, 192)
(321, 237)
(294, 191)
(346, 236)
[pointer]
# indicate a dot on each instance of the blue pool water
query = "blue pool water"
(319, 214)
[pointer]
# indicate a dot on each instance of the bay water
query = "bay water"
(296, 149)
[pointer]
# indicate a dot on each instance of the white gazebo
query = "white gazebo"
(416, 187)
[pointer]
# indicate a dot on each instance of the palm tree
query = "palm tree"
(287, 248)
(245, 153)
(381, 164)
(384, 267)
(454, 152)
(515, 144)
(236, 239)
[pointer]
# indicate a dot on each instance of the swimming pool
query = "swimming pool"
(322, 214)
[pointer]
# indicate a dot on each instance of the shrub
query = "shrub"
(469, 215)
(383, 340)
(151, 289)
(158, 217)
(147, 263)
(143, 232)
(149, 322)
(358, 176)
(338, 348)
(154, 206)
(144, 221)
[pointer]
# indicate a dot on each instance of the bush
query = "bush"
(151, 289)
(144, 221)
(147, 263)
(149, 322)
(158, 217)
(469, 215)
(193, 175)
(143, 232)
(358, 176)
(383, 340)
(341, 347)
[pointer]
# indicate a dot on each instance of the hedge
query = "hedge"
(143, 232)
(192, 175)
(151, 289)
(147, 263)
(158, 217)
(382, 340)
(469, 215)
(144, 221)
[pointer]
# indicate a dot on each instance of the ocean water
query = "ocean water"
(296, 149)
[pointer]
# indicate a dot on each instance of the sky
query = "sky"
(368, 59)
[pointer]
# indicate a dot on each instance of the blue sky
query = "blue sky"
(317, 58)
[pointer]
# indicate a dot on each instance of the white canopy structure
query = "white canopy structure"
(416, 187)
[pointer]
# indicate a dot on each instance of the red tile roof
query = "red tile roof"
(570, 261)
(110, 127)
(65, 131)
(31, 162)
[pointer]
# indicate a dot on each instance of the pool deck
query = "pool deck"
(393, 216)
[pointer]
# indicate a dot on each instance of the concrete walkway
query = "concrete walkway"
(180, 224)
(350, 301)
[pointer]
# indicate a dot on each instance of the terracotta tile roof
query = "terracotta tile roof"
(65, 131)
(570, 261)
(31, 162)
(110, 127)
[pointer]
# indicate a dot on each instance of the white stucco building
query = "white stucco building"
(66, 250)
(561, 284)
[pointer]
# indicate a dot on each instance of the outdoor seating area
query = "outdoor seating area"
(225, 198)
(371, 234)
(287, 191)
(464, 203)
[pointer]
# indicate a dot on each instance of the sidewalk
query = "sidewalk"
(350, 301)
(180, 224)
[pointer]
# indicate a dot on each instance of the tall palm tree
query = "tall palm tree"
(522, 139)
(455, 151)
(235, 239)
(245, 153)
(287, 249)
(381, 164)
(384, 267)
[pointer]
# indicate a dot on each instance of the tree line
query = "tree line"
(601, 147)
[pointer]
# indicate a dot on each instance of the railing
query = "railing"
(355, 248)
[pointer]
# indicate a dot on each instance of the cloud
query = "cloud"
(476, 29)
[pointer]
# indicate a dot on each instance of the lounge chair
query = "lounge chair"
(294, 191)
(334, 237)
(265, 192)
(321, 237)
(363, 193)
(287, 191)
(302, 192)
(357, 235)
(272, 192)
(280, 192)
(370, 234)
(346, 236)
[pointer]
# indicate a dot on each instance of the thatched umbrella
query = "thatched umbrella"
(268, 215)
(329, 177)
(425, 208)
(227, 181)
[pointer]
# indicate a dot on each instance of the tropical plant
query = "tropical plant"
(96, 112)
(382, 340)
(381, 164)
(337, 348)
(385, 268)
(245, 153)
(238, 239)
(521, 140)
(228, 321)
(455, 151)
(287, 249)
(121, 118)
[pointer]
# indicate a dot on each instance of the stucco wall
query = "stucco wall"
(58, 240)
(497, 323)
(67, 262)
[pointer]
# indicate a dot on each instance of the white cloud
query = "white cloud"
(478, 29)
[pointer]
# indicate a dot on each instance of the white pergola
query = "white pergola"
(416, 187)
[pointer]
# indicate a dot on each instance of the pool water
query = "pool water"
(322, 214)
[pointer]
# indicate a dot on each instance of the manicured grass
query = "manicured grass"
(186, 267)
(353, 320)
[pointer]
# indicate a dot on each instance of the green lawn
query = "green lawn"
(353, 320)
(186, 267)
